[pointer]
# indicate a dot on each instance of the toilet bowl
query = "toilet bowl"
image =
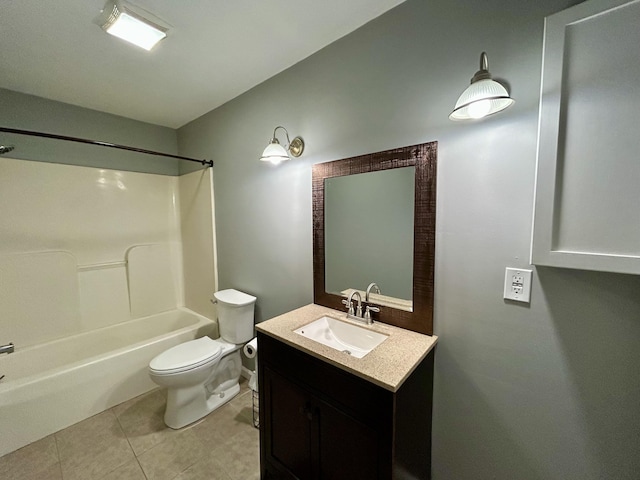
(203, 374)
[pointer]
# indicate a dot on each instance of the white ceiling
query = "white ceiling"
(215, 50)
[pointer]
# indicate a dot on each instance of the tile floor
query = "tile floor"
(131, 442)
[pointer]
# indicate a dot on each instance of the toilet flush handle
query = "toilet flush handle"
(213, 301)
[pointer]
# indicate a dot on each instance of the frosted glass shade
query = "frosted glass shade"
(481, 98)
(274, 153)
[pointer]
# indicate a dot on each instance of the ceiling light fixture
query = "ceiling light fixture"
(483, 97)
(276, 153)
(131, 24)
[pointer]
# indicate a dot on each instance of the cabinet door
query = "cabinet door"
(348, 449)
(587, 196)
(288, 425)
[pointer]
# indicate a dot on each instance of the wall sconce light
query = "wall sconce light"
(483, 97)
(131, 24)
(276, 153)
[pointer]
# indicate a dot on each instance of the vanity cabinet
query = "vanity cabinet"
(318, 421)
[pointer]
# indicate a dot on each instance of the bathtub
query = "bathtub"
(50, 386)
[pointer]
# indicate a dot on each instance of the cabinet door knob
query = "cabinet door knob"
(306, 410)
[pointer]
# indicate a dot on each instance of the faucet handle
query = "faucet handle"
(367, 313)
(349, 306)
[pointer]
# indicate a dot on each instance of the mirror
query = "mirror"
(369, 235)
(374, 221)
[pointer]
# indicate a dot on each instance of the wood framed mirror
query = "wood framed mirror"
(363, 231)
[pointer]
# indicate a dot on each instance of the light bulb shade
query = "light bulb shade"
(274, 153)
(481, 98)
(123, 22)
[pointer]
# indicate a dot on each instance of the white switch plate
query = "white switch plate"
(517, 284)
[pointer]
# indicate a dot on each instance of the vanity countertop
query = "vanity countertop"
(387, 365)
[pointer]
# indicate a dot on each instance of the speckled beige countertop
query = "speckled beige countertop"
(387, 365)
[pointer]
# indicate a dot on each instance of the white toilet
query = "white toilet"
(202, 375)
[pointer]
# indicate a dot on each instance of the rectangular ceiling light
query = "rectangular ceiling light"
(131, 26)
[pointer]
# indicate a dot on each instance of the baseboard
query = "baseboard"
(246, 373)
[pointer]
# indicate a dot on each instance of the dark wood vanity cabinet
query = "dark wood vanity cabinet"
(320, 422)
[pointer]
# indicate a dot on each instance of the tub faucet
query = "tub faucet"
(7, 348)
(371, 286)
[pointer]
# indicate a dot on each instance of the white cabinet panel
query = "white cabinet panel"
(587, 209)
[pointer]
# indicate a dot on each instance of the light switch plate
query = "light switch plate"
(517, 284)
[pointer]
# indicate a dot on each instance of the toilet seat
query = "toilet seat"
(186, 356)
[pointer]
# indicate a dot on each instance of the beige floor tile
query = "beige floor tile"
(129, 471)
(93, 447)
(52, 472)
(38, 460)
(240, 455)
(103, 446)
(142, 420)
(223, 423)
(172, 456)
(205, 469)
(244, 404)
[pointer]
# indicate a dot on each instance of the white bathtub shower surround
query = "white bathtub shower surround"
(151, 281)
(96, 214)
(67, 231)
(34, 287)
(92, 284)
(52, 385)
(197, 224)
(45, 296)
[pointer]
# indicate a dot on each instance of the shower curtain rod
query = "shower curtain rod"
(102, 144)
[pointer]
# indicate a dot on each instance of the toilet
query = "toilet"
(203, 374)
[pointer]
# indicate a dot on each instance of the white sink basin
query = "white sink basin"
(345, 337)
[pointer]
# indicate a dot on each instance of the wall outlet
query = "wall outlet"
(517, 284)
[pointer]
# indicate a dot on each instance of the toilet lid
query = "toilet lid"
(186, 356)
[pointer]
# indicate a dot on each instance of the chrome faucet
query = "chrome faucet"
(7, 348)
(371, 286)
(350, 312)
(357, 313)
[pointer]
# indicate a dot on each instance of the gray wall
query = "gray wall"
(28, 112)
(546, 391)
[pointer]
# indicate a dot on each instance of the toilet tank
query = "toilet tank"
(235, 315)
